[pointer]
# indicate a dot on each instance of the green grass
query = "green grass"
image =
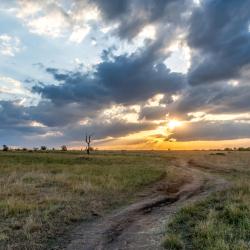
(221, 221)
(43, 194)
(173, 242)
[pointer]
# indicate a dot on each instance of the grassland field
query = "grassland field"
(44, 194)
(221, 221)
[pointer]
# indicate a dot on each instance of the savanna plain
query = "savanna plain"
(45, 195)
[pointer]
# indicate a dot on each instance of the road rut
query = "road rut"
(141, 225)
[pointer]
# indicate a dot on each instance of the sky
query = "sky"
(137, 74)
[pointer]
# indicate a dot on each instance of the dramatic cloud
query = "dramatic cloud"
(122, 68)
(153, 113)
(49, 18)
(133, 15)
(209, 130)
(121, 79)
(218, 98)
(219, 31)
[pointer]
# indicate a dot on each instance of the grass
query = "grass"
(43, 193)
(221, 221)
(173, 242)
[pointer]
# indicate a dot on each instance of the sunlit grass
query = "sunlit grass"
(221, 221)
(42, 194)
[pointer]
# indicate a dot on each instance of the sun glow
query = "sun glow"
(172, 124)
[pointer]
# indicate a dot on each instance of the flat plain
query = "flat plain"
(45, 195)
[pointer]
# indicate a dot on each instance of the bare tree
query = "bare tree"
(43, 148)
(88, 141)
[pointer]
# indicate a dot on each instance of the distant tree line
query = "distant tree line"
(46, 149)
(42, 148)
(233, 149)
(237, 149)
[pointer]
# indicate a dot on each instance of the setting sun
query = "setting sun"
(172, 124)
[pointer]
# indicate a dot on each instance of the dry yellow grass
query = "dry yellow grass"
(43, 194)
(222, 221)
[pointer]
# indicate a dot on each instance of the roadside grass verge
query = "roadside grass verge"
(43, 194)
(222, 220)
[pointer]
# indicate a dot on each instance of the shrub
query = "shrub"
(5, 148)
(64, 148)
(43, 148)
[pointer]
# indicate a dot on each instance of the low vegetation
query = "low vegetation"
(43, 193)
(222, 221)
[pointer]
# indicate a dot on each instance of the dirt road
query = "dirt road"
(141, 225)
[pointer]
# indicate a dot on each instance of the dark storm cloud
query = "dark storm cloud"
(102, 129)
(11, 114)
(134, 79)
(123, 79)
(54, 115)
(218, 98)
(15, 122)
(62, 124)
(113, 9)
(75, 87)
(207, 130)
(219, 30)
(219, 38)
(153, 113)
(133, 15)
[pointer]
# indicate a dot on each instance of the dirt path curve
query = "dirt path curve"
(142, 224)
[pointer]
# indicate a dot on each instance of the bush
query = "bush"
(64, 148)
(43, 148)
(5, 148)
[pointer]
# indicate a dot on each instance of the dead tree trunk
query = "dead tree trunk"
(88, 141)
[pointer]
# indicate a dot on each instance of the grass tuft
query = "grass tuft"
(173, 242)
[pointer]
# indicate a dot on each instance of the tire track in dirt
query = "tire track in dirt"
(141, 225)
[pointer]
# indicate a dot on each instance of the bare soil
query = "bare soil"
(141, 225)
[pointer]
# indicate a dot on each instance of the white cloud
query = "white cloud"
(49, 18)
(77, 61)
(28, 8)
(37, 124)
(11, 89)
(79, 33)
(180, 58)
(9, 45)
(51, 134)
(197, 2)
(203, 116)
(107, 29)
(175, 97)
(155, 101)
(120, 112)
(10, 86)
(84, 12)
(148, 32)
(93, 42)
(52, 24)
(233, 83)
